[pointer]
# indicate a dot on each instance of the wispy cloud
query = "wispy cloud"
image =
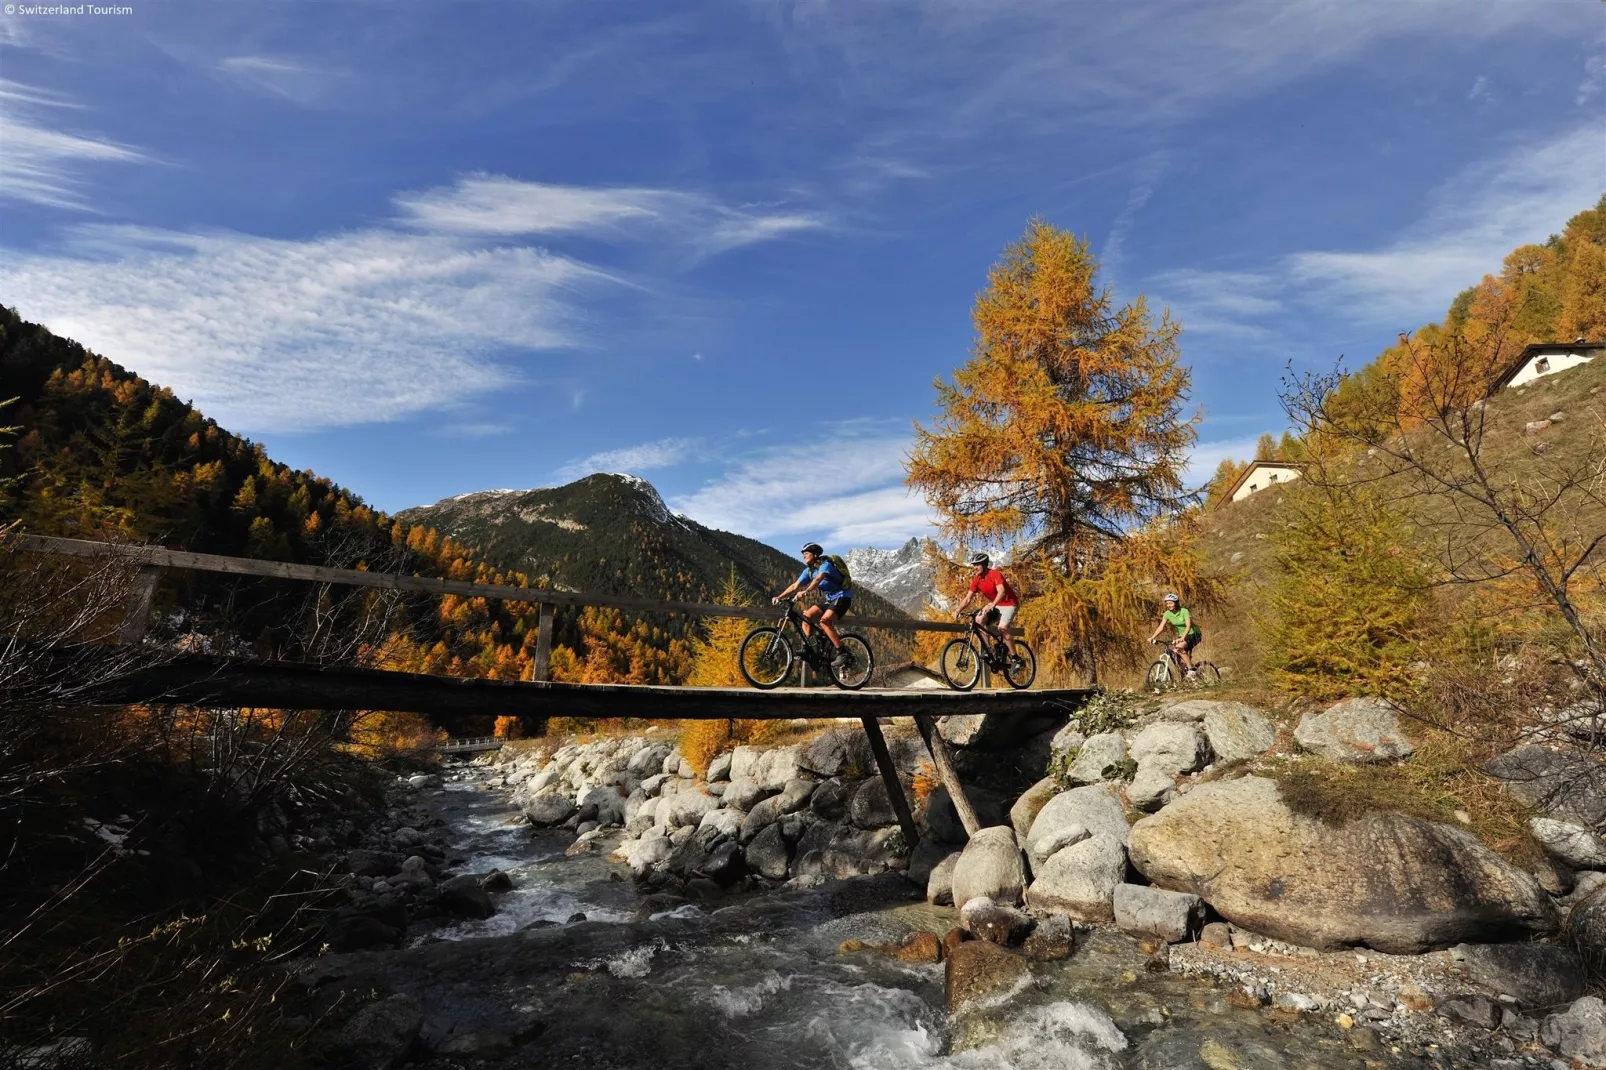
(633, 460)
(281, 76)
(1147, 177)
(41, 163)
(1207, 456)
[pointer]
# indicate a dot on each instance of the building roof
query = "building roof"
(1255, 466)
(1539, 349)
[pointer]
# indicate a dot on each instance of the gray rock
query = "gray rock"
(1102, 757)
(1143, 911)
(655, 783)
(424, 780)
(1170, 746)
(360, 932)
(871, 808)
(743, 762)
(1564, 785)
(463, 897)
(1062, 837)
(1236, 731)
(671, 763)
(1396, 883)
(649, 759)
(1052, 938)
(744, 793)
(719, 768)
(373, 863)
(795, 796)
(547, 810)
(769, 854)
(1537, 975)
(922, 860)
(380, 1035)
(1579, 847)
(646, 853)
(1066, 740)
(1579, 1032)
(999, 923)
(1096, 808)
(1356, 730)
(838, 752)
(610, 805)
(1080, 880)
(725, 822)
(989, 867)
(1151, 788)
(1029, 805)
(760, 817)
(1471, 1009)
(830, 800)
(940, 886)
(685, 808)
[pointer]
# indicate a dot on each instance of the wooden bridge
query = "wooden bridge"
(226, 682)
(470, 745)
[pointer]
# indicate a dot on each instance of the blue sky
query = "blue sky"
(426, 249)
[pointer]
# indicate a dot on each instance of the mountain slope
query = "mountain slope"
(902, 576)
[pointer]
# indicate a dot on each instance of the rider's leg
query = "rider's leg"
(828, 626)
(809, 613)
(1006, 619)
(1181, 647)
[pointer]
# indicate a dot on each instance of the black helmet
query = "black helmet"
(980, 559)
(812, 548)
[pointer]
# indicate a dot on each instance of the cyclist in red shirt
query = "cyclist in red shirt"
(1002, 602)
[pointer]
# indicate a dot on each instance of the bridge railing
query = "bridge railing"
(152, 560)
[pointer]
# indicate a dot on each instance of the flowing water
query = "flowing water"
(760, 984)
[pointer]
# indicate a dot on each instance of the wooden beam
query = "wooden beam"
(138, 617)
(542, 669)
(889, 778)
(284, 570)
(942, 757)
(211, 681)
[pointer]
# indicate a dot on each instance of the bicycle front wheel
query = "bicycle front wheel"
(961, 664)
(1021, 670)
(855, 671)
(765, 658)
(1159, 676)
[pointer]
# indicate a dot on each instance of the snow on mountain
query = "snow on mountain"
(901, 576)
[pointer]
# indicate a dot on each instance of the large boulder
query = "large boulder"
(380, 1035)
(1030, 804)
(685, 808)
(795, 796)
(610, 805)
(547, 810)
(989, 866)
(1079, 880)
(1151, 788)
(1579, 847)
(744, 793)
(1236, 731)
(940, 885)
(1170, 746)
(871, 807)
(769, 854)
(1564, 785)
(760, 817)
(980, 973)
(988, 919)
(1536, 975)
(1095, 808)
(838, 752)
(462, 897)
(1144, 911)
(1395, 883)
(770, 769)
(1102, 757)
(830, 800)
(1579, 1032)
(719, 768)
(1355, 730)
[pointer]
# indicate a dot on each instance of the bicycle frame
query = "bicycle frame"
(806, 646)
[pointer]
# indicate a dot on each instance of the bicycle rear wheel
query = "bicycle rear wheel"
(1209, 675)
(961, 664)
(855, 672)
(1159, 677)
(765, 659)
(1022, 677)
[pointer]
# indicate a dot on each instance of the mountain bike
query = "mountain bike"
(963, 658)
(1167, 671)
(767, 654)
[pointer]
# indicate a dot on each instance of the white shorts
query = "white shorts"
(1006, 614)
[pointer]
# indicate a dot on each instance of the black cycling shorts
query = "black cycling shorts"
(1191, 640)
(841, 606)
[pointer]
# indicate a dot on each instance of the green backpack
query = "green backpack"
(842, 567)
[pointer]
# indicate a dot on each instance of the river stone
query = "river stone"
(768, 854)
(1063, 837)
(831, 799)
(380, 1035)
(725, 864)
(725, 822)
(1171, 746)
(1151, 788)
(870, 807)
(649, 759)
(373, 863)
(547, 810)
(1101, 758)
(1578, 847)
(743, 760)
(685, 808)
(980, 974)
(1355, 730)
(1564, 785)
(648, 852)
(654, 784)
(1095, 808)
(1236, 731)
(744, 793)
(1030, 804)
(940, 885)
(1067, 739)
(838, 752)
(719, 768)
(462, 897)
(795, 796)
(671, 763)
(542, 780)
(1579, 1032)
(1052, 938)
(999, 923)
(1144, 911)
(1395, 883)
(990, 867)
(633, 805)
(1079, 880)
(760, 817)
(610, 806)
(1537, 975)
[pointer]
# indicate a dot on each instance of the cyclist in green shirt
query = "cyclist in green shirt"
(1177, 616)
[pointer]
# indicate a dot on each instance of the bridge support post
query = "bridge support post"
(889, 777)
(542, 668)
(942, 757)
(138, 617)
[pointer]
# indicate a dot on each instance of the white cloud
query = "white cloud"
(646, 457)
(1205, 457)
(41, 164)
(1220, 303)
(279, 76)
(505, 207)
(843, 487)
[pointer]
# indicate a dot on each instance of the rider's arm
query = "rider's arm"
(784, 593)
(959, 610)
(1158, 628)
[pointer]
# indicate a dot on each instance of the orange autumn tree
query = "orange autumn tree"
(1063, 439)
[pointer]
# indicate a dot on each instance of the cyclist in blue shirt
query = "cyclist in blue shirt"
(821, 575)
